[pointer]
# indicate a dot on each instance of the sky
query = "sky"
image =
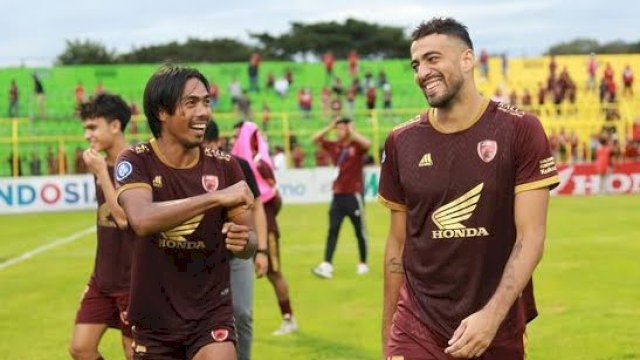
(34, 32)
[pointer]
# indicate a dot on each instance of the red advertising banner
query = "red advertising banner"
(582, 179)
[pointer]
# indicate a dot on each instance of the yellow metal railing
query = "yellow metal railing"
(586, 119)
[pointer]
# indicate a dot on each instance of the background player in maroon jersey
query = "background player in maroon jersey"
(251, 146)
(242, 270)
(105, 300)
(347, 152)
(467, 184)
(188, 206)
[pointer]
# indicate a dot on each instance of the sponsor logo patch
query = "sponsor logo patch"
(449, 217)
(123, 170)
(220, 335)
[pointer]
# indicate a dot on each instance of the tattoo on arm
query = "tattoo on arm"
(509, 276)
(395, 266)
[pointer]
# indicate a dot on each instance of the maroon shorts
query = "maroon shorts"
(411, 339)
(98, 307)
(170, 345)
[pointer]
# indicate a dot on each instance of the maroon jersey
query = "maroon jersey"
(349, 159)
(459, 190)
(182, 274)
(112, 269)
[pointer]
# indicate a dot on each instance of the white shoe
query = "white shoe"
(362, 269)
(288, 326)
(324, 270)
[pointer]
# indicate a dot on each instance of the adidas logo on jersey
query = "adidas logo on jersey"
(426, 160)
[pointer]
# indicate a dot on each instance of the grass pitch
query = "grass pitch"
(587, 286)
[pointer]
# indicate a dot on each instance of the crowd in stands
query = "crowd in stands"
(339, 96)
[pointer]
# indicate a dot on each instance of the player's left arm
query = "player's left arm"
(364, 142)
(240, 235)
(476, 332)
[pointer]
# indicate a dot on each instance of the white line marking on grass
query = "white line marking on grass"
(48, 246)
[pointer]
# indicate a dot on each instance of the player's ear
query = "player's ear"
(115, 126)
(163, 115)
(467, 60)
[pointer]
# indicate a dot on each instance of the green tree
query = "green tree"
(85, 52)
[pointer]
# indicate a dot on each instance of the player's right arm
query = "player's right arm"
(392, 195)
(147, 217)
(393, 269)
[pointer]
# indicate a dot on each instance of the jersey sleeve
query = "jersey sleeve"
(265, 171)
(390, 191)
(535, 167)
(234, 174)
(248, 174)
(131, 172)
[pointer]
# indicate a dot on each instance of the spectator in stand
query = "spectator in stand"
(371, 99)
(498, 96)
(281, 87)
(553, 65)
(271, 80)
(592, 69)
(323, 158)
(356, 86)
(13, 99)
(353, 63)
(52, 162)
(288, 75)
(243, 105)
(79, 94)
(505, 64)
(484, 64)
(214, 95)
(38, 88)
(297, 155)
(34, 165)
(627, 81)
(329, 60)
(368, 80)
(513, 98)
(279, 158)
(608, 72)
(235, 90)
(526, 100)
(304, 102)
(12, 162)
(386, 98)
(337, 87)
(336, 106)
(254, 64)
(351, 100)
(382, 79)
(80, 165)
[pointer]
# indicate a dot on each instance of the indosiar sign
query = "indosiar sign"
(47, 193)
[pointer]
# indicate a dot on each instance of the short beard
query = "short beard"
(445, 100)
